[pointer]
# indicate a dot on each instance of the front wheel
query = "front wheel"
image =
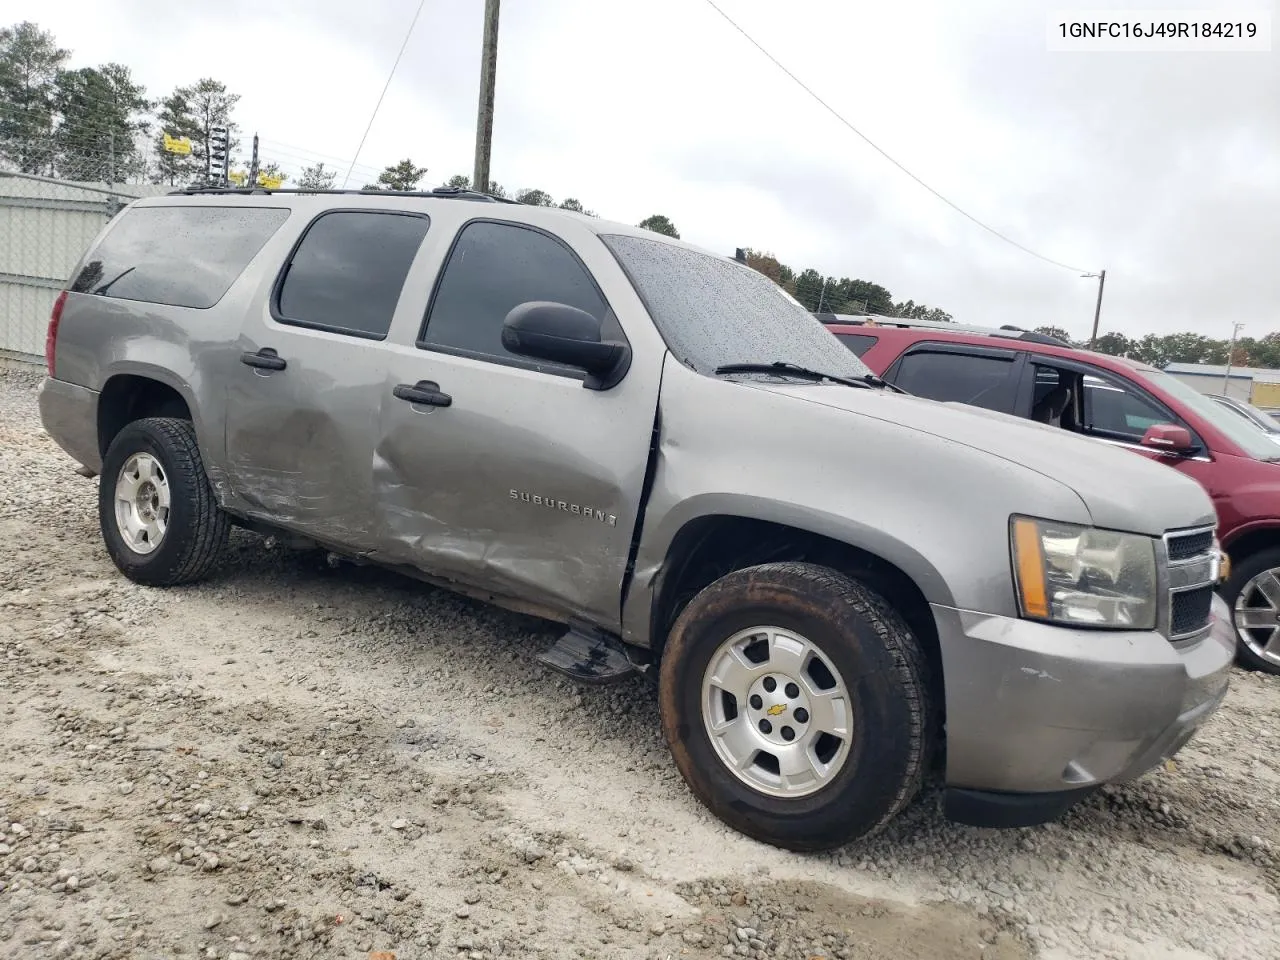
(1253, 594)
(159, 519)
(794, 700)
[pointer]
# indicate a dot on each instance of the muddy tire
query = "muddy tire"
(794, 700)
(1253, 594)
(159, 519)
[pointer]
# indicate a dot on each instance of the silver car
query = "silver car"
(839, 587)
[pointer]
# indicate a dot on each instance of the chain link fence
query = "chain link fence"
(46, 224)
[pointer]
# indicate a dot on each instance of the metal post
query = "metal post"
(253, 166)
(1097, 310)
(1226, 377)
(488, 81)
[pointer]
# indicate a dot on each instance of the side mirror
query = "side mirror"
(566, 335)
(1168, 438)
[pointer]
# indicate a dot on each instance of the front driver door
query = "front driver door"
(527, 484)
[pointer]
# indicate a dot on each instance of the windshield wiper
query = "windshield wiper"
(781, 367)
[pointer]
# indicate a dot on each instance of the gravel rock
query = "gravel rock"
(518, 814)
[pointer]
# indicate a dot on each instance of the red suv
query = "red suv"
(1117, 401)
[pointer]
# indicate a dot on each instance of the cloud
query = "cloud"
(1163, 168)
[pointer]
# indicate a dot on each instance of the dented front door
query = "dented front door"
(508, 475)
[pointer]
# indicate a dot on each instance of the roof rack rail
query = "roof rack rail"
(455, 193)
(1007, 330)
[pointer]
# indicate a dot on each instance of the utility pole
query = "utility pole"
(823, 295)
(1097, 310)
(488, 80)
(1226, 377)
(253, 165)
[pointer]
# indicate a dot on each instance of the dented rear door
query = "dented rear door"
(303, 402)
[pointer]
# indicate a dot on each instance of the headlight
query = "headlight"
(1084, 576)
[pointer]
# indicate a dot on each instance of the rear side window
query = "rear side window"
(494, 267)
(981, 381)
(347, 272)
(182, 256)
(859, 343)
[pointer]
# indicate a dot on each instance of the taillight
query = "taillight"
(51, 337)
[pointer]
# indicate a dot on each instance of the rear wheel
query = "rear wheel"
(159, 519)
(794, 702)
(1253, 594)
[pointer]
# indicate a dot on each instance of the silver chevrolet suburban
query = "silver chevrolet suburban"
(837, 585)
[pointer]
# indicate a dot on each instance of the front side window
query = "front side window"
(347, 272)
(981, 381)
(181, 256)
(1115, 412)
(495, 267)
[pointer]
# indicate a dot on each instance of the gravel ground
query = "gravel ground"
(302, 760)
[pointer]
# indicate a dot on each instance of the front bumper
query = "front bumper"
(1040, 709)
(69, 414)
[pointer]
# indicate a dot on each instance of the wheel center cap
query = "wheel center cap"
(778, 708)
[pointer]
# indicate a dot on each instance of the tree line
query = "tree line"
(1157, 350)
(98, 123)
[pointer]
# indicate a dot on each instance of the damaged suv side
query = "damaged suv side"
(657, 447)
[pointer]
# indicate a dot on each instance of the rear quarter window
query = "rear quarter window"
(181, 256)
(859, 343)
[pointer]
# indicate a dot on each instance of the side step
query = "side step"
(589, 655)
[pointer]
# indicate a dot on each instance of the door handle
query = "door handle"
(424, 391)
(264, 359)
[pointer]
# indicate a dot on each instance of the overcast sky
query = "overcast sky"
(1164, 168)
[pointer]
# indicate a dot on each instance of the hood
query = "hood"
(1122, 489)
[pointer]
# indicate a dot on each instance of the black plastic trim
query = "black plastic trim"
(990, 808)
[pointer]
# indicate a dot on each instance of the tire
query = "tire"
(151, 544)
(860, 642)
(1250, 643)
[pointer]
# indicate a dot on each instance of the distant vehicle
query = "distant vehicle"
(1119, 402)
(1265, 421)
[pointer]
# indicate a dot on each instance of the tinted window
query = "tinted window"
(712, 311)
(494, 267)
(859, 343)
(183, 256)
(1111, 410)
(347, 273)
(980, 381)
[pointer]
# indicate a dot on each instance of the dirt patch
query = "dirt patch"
(297, 760)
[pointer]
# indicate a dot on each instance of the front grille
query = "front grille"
(1184, 546)
(1190, 611)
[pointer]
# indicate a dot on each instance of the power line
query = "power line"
(408, 33)
(830, 109)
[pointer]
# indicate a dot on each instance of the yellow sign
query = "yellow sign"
(179, 145)
(1265, 394)
(271, 183)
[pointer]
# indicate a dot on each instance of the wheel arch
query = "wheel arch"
(709, 547)
(126, 397)
(1252, 538)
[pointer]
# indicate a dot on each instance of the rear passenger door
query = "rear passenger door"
(303, 403)
(979, 376)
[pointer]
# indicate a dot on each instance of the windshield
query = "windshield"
(1251, 438)
(712, 312)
